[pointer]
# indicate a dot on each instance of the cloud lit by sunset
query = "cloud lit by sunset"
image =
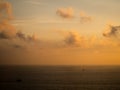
(62, 32)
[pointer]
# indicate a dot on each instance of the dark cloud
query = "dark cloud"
(73, 39)
(18, 46)
(25, 37)
(21, 35)
(113, 31)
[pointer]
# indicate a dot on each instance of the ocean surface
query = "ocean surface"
(59, 77)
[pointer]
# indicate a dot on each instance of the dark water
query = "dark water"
(59, 77)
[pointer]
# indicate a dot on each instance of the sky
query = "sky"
(59, 32)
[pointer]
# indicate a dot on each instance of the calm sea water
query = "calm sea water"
(59, 77)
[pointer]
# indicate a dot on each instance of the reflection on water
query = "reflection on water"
(59, 78)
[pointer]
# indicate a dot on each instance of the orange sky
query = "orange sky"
(49, 32)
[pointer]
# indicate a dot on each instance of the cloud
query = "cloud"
(69, 13)
(112, 36)
(8, 32)
(35, 2)
(40, 21)
(112, 31)
(18, 46)
(25, 37)
(65, 12)
(5, 10)
(73, 39)
(33, 37)
(84, 18)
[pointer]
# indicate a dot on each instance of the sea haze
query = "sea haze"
(59, 77)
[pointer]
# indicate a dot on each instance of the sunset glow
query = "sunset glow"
(59, 32)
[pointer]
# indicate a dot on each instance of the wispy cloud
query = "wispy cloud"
(35, 2)
(84, 18)
(41, 21)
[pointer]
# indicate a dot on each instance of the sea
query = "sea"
(59, 77)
